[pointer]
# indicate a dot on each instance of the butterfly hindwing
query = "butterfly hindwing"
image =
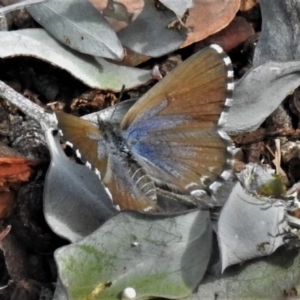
(126, 182)
(173, 129)
(124, 186)
(170, 137)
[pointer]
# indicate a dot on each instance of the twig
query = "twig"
(32, 110)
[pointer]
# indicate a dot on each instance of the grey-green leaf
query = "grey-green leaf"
(149, 33)
(279, 38)
(78, 25)
(94, 72)
(155, 255)
(259, 93)
(75, 202)
(265, 279)
(60, 291)
(250, 227)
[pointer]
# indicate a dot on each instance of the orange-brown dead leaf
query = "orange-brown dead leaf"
(132, 59)
(231, 36)
(295, 213)
(133, 7)
(208, 17)
(247, 4)
(13, 171)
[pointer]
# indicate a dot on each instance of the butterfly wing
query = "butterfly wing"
(124, 187)
(96, 151)
(78, 132)
(173, 129)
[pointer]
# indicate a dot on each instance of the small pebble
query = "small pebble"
(129, 293)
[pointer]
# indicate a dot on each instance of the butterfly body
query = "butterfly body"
(116, 158)
(169, 142)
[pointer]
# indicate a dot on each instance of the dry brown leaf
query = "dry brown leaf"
(132, 59)
(208, 17)
(238, 31)
(133, 7)
(247, 4)
(295, 213)
(13, 171)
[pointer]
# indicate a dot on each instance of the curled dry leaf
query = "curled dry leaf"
(209, 17)
(231, 36)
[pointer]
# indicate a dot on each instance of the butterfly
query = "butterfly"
(169, 144)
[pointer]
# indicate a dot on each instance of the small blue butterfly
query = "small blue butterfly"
(169, 144)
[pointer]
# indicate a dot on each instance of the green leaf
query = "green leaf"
(156, 255)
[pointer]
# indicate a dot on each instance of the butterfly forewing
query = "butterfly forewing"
(129, 190)
(173, 129)
(170, 137)
(197, 88)
(79, 133)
